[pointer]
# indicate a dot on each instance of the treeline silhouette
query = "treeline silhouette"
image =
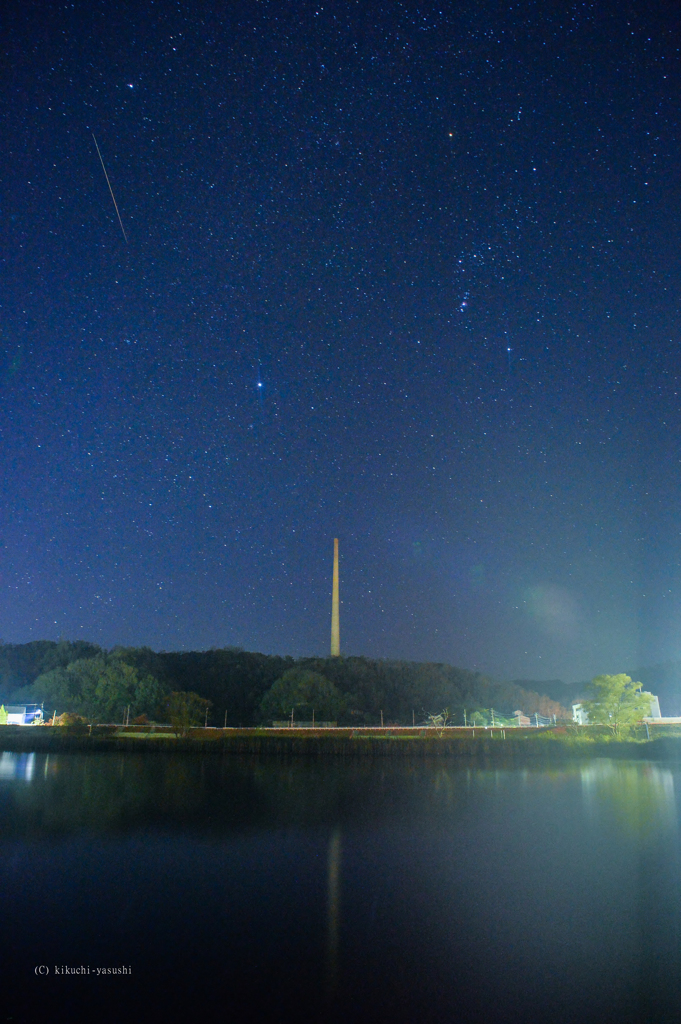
(237, 681)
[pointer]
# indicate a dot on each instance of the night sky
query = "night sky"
(402, 274)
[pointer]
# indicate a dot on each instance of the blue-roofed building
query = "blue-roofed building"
(21, 714)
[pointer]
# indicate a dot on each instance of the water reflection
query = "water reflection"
(112, 791)
(16, 766)
(332, 890)
(333, 910)
(125, 791)
(640, 796)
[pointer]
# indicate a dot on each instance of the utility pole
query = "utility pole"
(225, 719)
(381, 719)
(413, 720)
(465, 723)
(205, 724)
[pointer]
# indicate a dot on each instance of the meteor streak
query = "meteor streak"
(110, 189)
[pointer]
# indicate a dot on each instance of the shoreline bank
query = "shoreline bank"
(498, 745)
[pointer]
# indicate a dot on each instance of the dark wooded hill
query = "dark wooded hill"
(236, 682)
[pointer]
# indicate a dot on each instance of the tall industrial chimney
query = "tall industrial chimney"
(335, 621)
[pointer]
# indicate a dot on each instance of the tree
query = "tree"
(439, 721)
(149, 698)
(107, 687)
(52, 688)
(616, 701)
(99, 689)
(92, 691)
(186, 709)
(305, 692)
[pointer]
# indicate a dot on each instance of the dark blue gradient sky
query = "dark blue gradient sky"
(444, 239)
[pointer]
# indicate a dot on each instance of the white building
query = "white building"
(581, 716)
(21, 714)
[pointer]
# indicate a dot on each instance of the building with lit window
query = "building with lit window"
(21, 714)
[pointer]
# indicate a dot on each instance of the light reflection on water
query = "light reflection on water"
(382, 890)
(16, 766)
(641, 795)
(333, 909)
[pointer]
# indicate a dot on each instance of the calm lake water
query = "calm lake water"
(258, 890)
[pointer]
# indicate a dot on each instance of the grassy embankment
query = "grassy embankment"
(499, 745)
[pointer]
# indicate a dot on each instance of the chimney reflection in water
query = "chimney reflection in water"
(333, 910)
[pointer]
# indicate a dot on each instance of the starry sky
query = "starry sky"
(405, 274)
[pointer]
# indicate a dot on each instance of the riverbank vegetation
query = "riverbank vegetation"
(500, 746)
